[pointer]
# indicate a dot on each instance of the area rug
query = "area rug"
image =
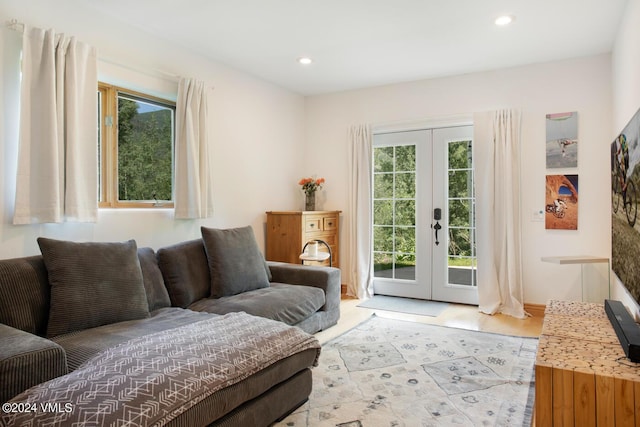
(390, 372)
(405, 305)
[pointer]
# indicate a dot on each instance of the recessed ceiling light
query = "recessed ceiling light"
(503, 20)
(305, 60)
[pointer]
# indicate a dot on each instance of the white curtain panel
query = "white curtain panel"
(360, 214)
(193, 186)
(497, 163)
(57, 160)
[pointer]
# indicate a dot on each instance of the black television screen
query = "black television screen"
(625, 194)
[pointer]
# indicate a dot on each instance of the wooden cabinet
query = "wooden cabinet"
(288, 231)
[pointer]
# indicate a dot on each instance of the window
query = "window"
(136, 145)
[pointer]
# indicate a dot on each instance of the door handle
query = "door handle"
(437, 227)
(437, 216)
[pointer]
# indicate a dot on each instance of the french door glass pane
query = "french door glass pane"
(383, 159)
(383, 186)
(394, 212)
(405, 185)
(461, 205)
(383, 239)
(405, 158)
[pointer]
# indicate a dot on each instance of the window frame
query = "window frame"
(108, 150)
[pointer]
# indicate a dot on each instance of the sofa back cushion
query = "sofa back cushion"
(92, 284)
(25, 290)
(157, 295)
(185, 271)
(235, 262)
(24, 294)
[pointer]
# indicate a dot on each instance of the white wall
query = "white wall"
(256, 131)
(626, 96)
(265, 138)
(582, 85)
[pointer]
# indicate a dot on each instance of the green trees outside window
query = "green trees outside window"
(145, 144)
(394, 209)
(461, 200)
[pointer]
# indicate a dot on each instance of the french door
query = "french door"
(424, 214)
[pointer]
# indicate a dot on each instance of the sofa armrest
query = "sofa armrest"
(325, 278)
(27, 360)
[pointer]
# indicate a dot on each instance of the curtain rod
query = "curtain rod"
(15, 25)
(153, 72)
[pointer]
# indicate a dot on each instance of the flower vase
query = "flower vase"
(310, 202)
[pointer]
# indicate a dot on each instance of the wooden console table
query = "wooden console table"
(583, 377)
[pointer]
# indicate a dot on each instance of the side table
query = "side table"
(320, 256)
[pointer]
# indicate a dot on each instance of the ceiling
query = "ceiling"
(362, 43)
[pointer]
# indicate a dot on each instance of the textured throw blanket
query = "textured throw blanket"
(148, 381)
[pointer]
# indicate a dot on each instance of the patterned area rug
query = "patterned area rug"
(395, 373)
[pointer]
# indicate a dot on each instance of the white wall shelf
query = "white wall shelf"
(594, 280)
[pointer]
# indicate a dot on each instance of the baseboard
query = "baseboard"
(536, 310)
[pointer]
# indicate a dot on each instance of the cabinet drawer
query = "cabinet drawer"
(329, 223)
(313, 225)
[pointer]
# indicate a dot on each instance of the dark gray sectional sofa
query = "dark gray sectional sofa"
(62, 323)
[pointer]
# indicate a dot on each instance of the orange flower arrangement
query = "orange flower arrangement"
(310, 185)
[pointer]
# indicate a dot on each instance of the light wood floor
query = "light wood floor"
(456, 315)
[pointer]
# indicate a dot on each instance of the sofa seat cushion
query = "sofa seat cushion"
(258, 400)
(287, 303)
(158, 377)
(82, 345)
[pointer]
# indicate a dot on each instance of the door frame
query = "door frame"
(422, 125)
(431, 123)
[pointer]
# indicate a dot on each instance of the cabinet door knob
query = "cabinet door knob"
(311, 225)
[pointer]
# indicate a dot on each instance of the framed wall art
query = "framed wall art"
(561, 202)
(562, 140)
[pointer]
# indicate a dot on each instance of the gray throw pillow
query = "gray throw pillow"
(185, 271)
(92, 284)
(157, 295)
(235, 261)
